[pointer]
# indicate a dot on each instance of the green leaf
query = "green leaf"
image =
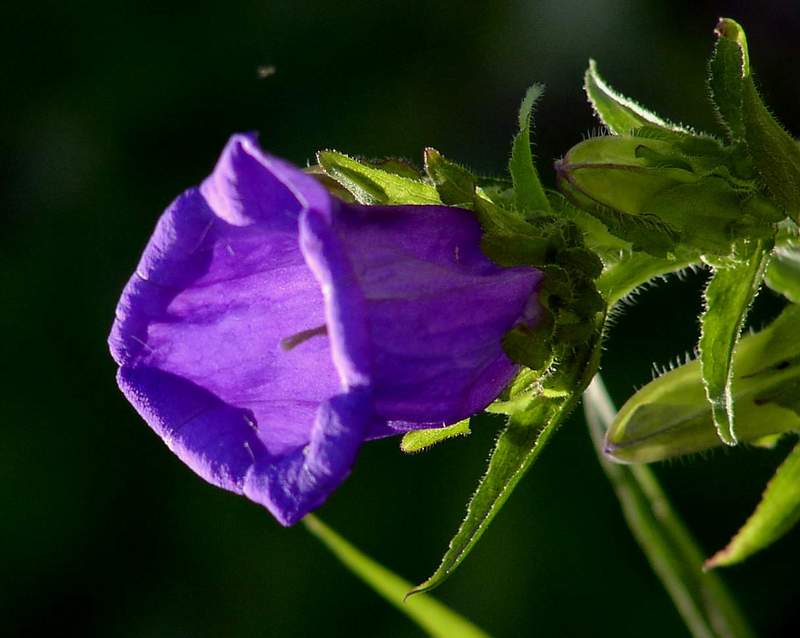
(702, 599)
(776, 514)
(671, 415)
(454, 183)
(728, 297)
(530, 195)
(530, 426)
(632, 269)
(432, 616)
(620, 114)
(783, 272)
(370, 185)
(517, 448)
(419, 440)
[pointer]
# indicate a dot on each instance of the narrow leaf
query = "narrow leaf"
(702, 599)
(728, 297)
(517, 447)
(671, 415)
(620, 114)
(432, 616)
(776, 514)
(370, 185)
(419, 440)
(530, 195)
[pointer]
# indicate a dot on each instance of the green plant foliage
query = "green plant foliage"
(725, 72)
(517, 448)
(454, 183)
(667, 193)
(419, 440)
(774, 152)
(671, 415)
(371, 185)
(530, 196)
(536, 408)
(620, 114)
(776, 514)
(728, 297)
(783, 272)
(428, 613)
(634, 269)
(701, 598)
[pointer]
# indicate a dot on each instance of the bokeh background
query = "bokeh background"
(110, 109)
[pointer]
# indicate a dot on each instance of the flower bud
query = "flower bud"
(651, 182)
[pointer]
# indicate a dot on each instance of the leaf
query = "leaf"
(671, 415)
(701, 598)
(528, 189)
(620, 114)
(517, 448)
(783, 272)
(725, 81)
(432, 616)
(454, 183)
(728, 297)
(776, 514)
(419, 440)
(633, 269)
(370, 185)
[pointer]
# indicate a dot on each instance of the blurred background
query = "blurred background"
(111, 109)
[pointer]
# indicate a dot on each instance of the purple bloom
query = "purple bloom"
(271, 328)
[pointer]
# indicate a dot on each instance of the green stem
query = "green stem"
(700, 597)
(434, 618)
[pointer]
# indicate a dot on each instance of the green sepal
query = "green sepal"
(776, 514)
(775, 153)
(620, 114)
(419, 440)
(454, 183)
(671, 415)
(630, 270)
(528, 191)
(531, 346)
(728, 297)
(531, 423)
(726, 71)
(783, 272)
(371, 185)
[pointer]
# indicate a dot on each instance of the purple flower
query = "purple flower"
(270, 328)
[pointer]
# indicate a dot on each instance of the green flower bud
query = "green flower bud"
(671, 416)
(651, 182)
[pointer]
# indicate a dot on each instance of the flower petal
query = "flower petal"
(428, 309)
(200, 326)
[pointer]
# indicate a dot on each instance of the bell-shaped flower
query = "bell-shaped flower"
(270, 328)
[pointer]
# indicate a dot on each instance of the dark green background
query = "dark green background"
(111, 109)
